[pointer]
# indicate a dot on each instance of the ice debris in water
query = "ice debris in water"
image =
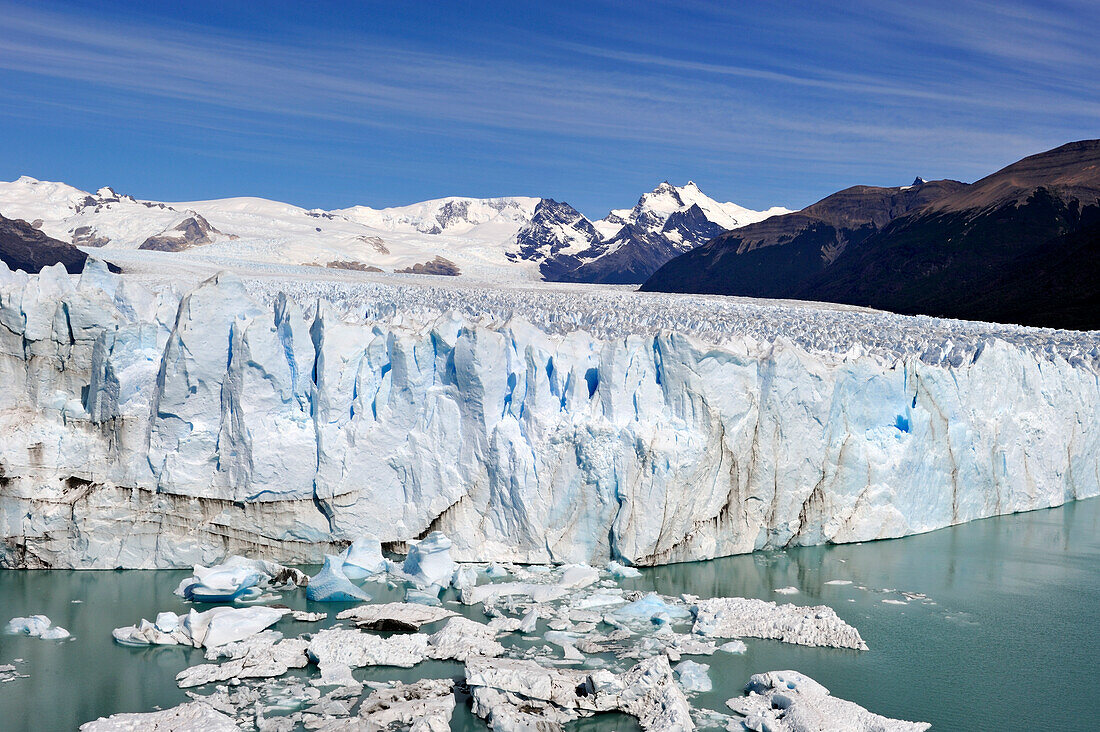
(693, 676)
(260, 656)
(209, 629)
(621, 571)
(429, 561)
(363, 558)
(738, 617)
(36, 626)
(426, 596)
(650, 608)
(395, 616)
(788, 701)
(787, 590)
(735, 646)
(8, 672)
(303, 616)
(495, 571)
(193, 716)
(237, 579)
(331, 585)
(516, 694)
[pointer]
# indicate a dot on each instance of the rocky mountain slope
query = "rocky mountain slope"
(24, 247)
(628, 245)
(1021, 245)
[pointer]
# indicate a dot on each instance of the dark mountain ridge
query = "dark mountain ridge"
(24, 247)
(1021, 245)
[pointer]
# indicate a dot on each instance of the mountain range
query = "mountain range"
(1021, 245)
(533, 238)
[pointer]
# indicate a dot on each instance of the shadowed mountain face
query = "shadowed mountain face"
(774, 255)
(24, 247)
(1021, 245)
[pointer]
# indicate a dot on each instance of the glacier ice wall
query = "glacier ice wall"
(142, 429)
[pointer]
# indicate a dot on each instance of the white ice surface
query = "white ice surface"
(529, 423)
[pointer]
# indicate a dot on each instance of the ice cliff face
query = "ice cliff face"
(149, 430)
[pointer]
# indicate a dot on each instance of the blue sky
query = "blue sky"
(333, 104)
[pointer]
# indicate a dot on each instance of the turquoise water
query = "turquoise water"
(1007, 638)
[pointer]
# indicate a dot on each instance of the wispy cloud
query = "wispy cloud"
(957, 90)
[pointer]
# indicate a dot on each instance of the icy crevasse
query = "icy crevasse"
(146, 430)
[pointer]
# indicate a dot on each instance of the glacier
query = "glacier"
(284, 418)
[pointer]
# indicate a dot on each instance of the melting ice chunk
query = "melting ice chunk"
(36, 626)
(429, 561)
(331, 585)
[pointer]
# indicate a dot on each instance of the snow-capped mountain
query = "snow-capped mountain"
(445, 215)
(485, 238)
(628, 245)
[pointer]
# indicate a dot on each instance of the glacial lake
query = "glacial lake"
(1005, 636)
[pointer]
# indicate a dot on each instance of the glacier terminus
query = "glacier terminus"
(166, 422)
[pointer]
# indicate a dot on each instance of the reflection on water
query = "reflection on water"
(971, 627)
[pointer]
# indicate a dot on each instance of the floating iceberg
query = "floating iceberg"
(363, 558)
(237, 579)
(693, 676)
(429, 561)
(739, 617)
(621, 571)
(215, 627)
(517, 694)
(787, 701)
(330, 584)
(190, 717)
(395, 616)
(36, 626)
(650, 608)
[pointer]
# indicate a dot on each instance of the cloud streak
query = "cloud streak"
(982, 84)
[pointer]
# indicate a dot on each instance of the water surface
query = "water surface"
(1005, 636)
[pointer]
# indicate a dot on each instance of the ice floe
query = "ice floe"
(738, 617)
(788, 701)
(36, 626)
(238, 579)
(195, 716)
(517, 694)
(215, 627)
(400, 616)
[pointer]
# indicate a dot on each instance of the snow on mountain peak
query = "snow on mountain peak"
(454, 214)
(654, 208)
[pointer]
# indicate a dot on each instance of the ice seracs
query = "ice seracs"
(788, 701)
(529, 426)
